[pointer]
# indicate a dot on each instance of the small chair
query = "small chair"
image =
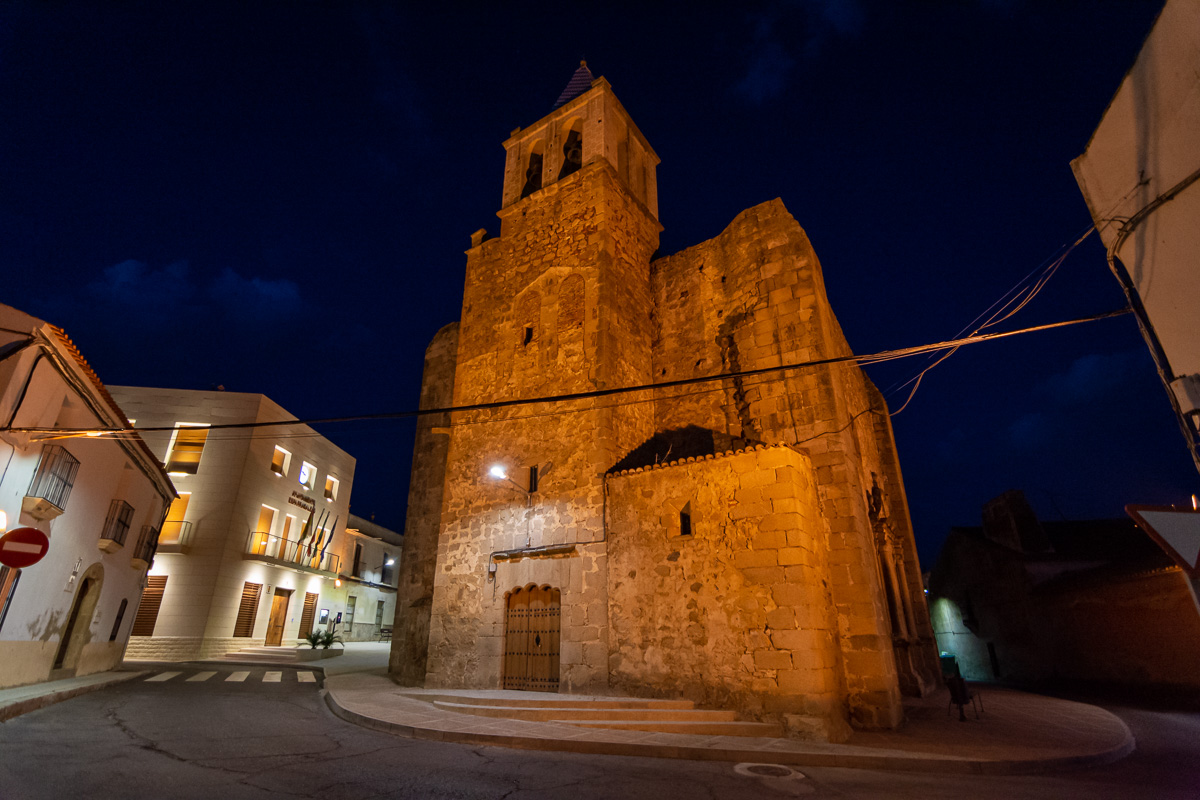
(961, 694)
(385, 634)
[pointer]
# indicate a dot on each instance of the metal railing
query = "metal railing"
(116, 524)
(305, 555)
(55, 476)
(175, 533)
(147, 544)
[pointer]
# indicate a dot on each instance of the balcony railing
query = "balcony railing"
(175, 537)
(116, 526)
(264, 546)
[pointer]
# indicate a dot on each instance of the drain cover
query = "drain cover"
(767, 771)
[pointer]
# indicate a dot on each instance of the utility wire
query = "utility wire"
(885, 355)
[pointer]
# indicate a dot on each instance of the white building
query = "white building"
(255, 550)
(370, 564)
(1140, 175)
(100, 500)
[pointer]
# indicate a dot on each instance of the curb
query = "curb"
(916, 763)
(20, 707)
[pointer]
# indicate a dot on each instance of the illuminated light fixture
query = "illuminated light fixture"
(3, 522)
(389, 562)
(337, 582)
(1195, 504)
(498, 472)
(94, 433)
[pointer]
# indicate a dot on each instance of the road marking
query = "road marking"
(273, 677)
(306, 677)
(163, 676)
(202, 676)
(238, 676)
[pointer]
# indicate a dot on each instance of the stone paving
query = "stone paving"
(1016, 732)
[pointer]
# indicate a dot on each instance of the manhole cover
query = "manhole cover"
(767, 771)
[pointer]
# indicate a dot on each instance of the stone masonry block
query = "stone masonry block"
(772, 659)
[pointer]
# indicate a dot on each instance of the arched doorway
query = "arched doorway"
(75, 632)
(531, 635)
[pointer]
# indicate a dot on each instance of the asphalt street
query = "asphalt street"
(235, 733)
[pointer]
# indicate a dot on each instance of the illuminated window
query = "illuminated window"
(262, 531)
(186, 448)
(173, 526)
(308, 475)
(331, 487)
(280, 461)
(8, 585)
(55, 476)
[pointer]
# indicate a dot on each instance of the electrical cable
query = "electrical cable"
(600, 393)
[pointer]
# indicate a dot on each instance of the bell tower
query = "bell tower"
(559, 303)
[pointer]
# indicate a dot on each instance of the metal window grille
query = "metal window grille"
(147, 544)
(116, 525)
(55, 476)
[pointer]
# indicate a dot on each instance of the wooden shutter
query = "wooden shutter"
(248, 610)
(147, 615)
(306, 616)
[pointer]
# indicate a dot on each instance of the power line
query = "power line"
(598, 393)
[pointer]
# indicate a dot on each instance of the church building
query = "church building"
(741, 541)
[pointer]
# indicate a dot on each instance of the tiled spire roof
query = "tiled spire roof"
(580, 82)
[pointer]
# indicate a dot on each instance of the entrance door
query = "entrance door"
(531, 632)
(68, 634)
(279, 604)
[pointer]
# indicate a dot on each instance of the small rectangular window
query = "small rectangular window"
(280, 461)
(112, 637)
(308, 475)
(348, 617)
(354, 572)
(55, 476)
(331, 487)
(186, 447)
(116, 524)
(685, 520)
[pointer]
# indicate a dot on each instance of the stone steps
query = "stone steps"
(266, 655)
(698, 727)
(587, 712)
(623, 713)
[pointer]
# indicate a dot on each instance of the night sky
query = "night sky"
(276, 197)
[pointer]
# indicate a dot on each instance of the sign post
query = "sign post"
(23, 547)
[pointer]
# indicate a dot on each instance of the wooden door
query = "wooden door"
(307, 615)
(531, 638)
(279, 604)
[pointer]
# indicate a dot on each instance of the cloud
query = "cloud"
(255, 297)
(787, 30)
(1030, 431)
(1092, 376)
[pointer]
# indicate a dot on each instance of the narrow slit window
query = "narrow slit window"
(528, 335)
(331, 487)
(112, 637)
(685, 520)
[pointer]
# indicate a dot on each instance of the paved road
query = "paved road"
(235, 732)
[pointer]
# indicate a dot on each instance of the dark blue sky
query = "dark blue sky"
(276, 197)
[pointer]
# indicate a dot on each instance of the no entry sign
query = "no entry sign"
(23, 547)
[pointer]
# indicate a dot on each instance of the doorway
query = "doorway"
(279, 606)
(75, 632)
(531, 637)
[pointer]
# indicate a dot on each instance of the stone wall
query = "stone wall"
(414, 593)
(185, 648)
(738, 614)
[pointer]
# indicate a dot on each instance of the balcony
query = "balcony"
(277, 551)
(116, 526)
(147, 544)
(175, 537)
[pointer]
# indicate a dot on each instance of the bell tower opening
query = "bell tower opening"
(533, 171)
(572, 149)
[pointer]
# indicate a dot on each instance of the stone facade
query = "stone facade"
(795, 532)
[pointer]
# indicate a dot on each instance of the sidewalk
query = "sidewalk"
(23, 699)
(1016, 733)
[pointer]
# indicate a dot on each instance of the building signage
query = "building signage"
(304, 501)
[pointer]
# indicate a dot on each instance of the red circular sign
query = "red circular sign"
(23, 547)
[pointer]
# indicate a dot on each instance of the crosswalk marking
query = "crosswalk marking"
(306, 677)
(273, 677)
(202, 676)
(163, 676)
(238, 676)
